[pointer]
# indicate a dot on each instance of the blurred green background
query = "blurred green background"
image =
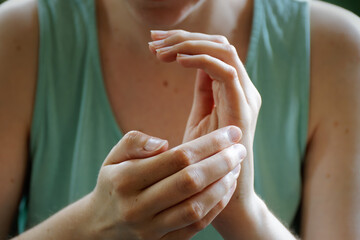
(352, 5)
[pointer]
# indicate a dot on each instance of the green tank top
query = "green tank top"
(73, 126)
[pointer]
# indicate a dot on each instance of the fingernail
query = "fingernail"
(154, 144)
(241, 151)
(164, 49)
(180, 55)
(157, 43)
(159, 33)
(234, 134)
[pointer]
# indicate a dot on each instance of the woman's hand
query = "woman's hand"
(224, 94)
(146, 192)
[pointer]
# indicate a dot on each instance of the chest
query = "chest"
(148, 95)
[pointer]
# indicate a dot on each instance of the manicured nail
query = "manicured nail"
(181, 55)
(234, 134)
(154, 144)
(157, 43)
(159, 33)
(241, 150)
(164, 49)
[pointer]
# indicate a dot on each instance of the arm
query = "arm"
(224, 95)
(131, 202)
(111, 210)
(335, 58)
(18, 44)
(331, 200)
(331, 193)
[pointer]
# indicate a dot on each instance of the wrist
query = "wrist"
(86, 221)
(72, 222)
(242, 219)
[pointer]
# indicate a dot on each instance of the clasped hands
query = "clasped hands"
(147, 191)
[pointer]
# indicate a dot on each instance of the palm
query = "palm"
(209, 109)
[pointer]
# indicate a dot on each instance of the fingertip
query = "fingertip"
(155, 144)
(234, 134)
(158, 34)
(152, 48)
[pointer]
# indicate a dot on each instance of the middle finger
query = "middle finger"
(191, 180)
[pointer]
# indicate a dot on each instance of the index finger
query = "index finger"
(156, 168)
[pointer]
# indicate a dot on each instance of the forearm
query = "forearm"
(253, 222)
(70, 223)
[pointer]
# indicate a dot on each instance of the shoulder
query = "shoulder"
(334, 31)
(18, 64)
(18, 56)
(18, 18)
(335, 61)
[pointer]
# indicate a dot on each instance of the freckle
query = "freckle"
(176, 90)
(18, 48)
(336, 124)
(328, 175)
(165, 83)
(110, 193)
(346, 131)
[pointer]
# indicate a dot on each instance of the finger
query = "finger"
(135, 145)
(191, 180)
(224, 52)
(169, 38)
(228, 95)
(218, 71)
(141, 175)
(188, 231)
(203, 103)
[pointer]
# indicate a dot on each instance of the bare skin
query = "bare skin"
(330, 170)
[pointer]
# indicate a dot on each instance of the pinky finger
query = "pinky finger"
(190, 231)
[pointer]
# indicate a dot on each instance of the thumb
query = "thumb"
(135, 145)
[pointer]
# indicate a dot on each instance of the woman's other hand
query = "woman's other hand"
(224, 94)
(146, 192)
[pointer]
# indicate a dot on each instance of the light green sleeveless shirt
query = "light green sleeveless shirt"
(74, 128)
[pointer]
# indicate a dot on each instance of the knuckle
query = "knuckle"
(182, 157)
(221, 39)
(193, 212)
(227, 182)
(205, 57)
(232, 49)
(189, 44)
(222, 204)
(130, 216)
(200, 225)
(181, 35)
(219, 141)
(131, 137)
(121, 180)
(227, 157)
(189, 182)
(232, 73)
